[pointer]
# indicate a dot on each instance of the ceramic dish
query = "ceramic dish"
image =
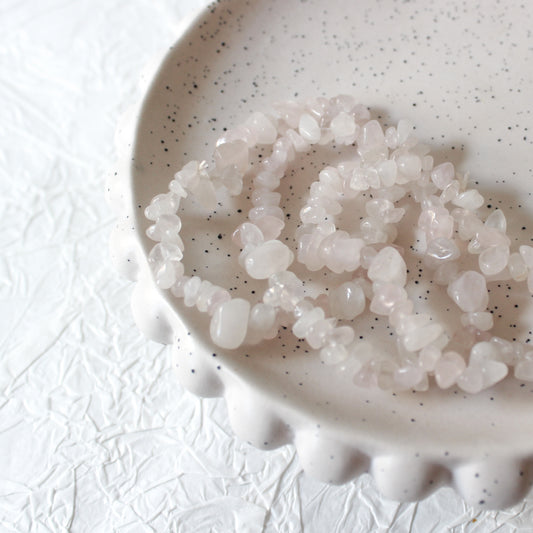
(462, 74)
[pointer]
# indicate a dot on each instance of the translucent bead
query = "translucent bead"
(527, 255)
(205, 194)
(298, 142)
(189, 175)
(308, 250)
(391, 138)
(309, 129)
(481, 320)
(475, 378)
(283, 151)
(333, 354)
(448, 368)
(318, 332)
(530, 281)
(347, 301)
(162, 204)
(469, 292)
(344, 128)
(386, 297)
(517, 267)
(387, 172)
(239, 133)
(443, 174)
(507, 351)
(312, 214)
(378, 207)
(205, 291)
(488, 236)
(262, 197)
(166, 229)
(468, 224)
(428, 357)
(268, 258)
(263, 128)
(332, 207)
(268, 180)
(404, 128)
(164, 260)
(374, 230)
(436, 222)
(411, 322)
(231, 179)
(361, 113)
(216, 298)
(386, 371)
(421, 337)
(330, 177)
(493, 259)
(177, 188)
(265, 210)
(451, 192)
(409, 166)
(229, 323)
(399, 314)
(262, 323)
(497, 221)
(341, 254)
(368, 253)
(523, 370)
(270, 226)
(470, 200)
(441, 250)
(427, 163)
(302, 326)
(371, 135)
(177, 288)
(342, 335)
(389, 267)
(407, 377)
(232, 154)
(247, 233)
(191, 290)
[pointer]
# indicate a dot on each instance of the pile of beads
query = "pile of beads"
(387, 166)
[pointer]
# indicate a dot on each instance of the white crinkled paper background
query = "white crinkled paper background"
(96, 435)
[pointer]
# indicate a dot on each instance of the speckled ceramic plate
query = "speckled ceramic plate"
(463, 75)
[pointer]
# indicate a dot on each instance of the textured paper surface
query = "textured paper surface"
(96, 435)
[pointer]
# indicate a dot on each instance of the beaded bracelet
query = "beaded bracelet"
(390, 165)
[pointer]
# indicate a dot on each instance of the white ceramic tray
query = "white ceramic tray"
(463, 75)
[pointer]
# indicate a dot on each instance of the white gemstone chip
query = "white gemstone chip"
(262, 126)
(448, 368)
(347, 301)
(419, 338)
(469, 292)
(232, 154)
(443, 174)
(494, 259)
(309, 129)
(229, 323)
(389, 267)
(267, 259)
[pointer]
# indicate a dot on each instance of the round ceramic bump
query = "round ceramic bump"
(494, 483)
(328, 460)
(406, 479)
(252, 421)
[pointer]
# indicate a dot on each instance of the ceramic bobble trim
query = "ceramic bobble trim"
(391, 165)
